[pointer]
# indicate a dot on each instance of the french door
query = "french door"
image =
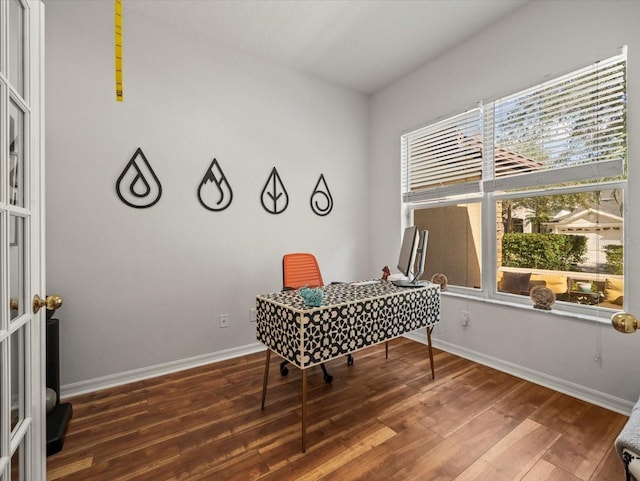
(22, 353)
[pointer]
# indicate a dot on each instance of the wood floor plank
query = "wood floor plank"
(544, 471)
(610, 468)
(459, 450)
(560, 412)
(513, 456)
(386, 459)
(583, 445)
(380, 420)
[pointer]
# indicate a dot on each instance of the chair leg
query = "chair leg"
(328, 378)
(283, 368)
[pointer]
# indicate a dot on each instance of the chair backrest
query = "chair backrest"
(300, 269)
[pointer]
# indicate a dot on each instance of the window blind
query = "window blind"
(572, 128)
(443, 159)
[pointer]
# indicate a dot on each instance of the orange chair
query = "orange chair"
(301, 269)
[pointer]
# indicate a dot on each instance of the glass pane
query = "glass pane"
(17, 296)
(4, 322)
(454, 246)
(3, 119)
(16, 45)
(16, 156)
(3, 394)
(18, 462)
(17, 355)
(570, 243)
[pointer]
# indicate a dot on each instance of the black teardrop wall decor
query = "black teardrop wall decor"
(214, 192)
(274, 197)
(138, 186)
(321, 200)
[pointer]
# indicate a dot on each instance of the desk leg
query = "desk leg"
(304, 410)
(433, 372)
(266, 377)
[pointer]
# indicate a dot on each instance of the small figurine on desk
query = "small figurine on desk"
(386, 272)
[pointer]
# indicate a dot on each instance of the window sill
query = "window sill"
(599, 316)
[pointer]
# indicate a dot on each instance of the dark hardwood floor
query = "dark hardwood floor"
(381, 419)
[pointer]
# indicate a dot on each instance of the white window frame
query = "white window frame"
(488, 197)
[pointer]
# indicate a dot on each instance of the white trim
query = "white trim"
(599, 169)
(598, 398)
(113, 380)
(589, 395)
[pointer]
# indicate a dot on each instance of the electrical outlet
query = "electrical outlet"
(224, 320)
(466, 318)
(252, 314)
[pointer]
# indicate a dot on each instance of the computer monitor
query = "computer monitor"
(413, 251)
(408, 250)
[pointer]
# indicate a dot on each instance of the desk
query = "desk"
(351, 318)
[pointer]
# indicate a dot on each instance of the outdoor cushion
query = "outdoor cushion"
(613, 291)
(515, 282)
(556, 282)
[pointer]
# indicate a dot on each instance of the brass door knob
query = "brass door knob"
(14, 305)
(51, 303)
(624, 322)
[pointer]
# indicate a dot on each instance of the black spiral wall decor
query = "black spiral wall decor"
(138, 186)
(321, 200)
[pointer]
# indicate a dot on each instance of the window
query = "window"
(548, 164)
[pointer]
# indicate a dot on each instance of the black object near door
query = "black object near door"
(57, 418)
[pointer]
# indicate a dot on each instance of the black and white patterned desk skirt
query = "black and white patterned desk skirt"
(352, 317)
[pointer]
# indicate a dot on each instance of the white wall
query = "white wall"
(543, 38)
(144, 287)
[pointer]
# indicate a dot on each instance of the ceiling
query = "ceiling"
(363, 45)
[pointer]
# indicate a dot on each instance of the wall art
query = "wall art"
(321, 200)
(214, 192)
(138, 186)
(274, 197)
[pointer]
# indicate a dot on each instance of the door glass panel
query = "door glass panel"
(4, 322)
(2, 125)
(17, 302)
(16, 45)
(3, 346)
(17, 368)
(18, 472)
(16, 156)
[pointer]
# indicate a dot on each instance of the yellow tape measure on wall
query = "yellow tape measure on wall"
(118, 49)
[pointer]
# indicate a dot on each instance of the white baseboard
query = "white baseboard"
(592, 396)
(91, 385)
(598, 398)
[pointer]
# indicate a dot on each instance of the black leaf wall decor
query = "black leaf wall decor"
(138, 186)
(214, 192)
(321, 200)
(274, 197)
